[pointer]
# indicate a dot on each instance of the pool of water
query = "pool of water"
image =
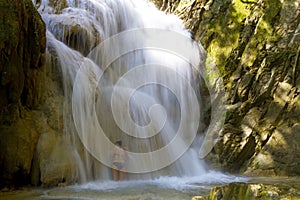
(162, 188)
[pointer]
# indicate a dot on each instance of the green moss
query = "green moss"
(242, 9)
(212, 72)
(9, 26)
(226, 32)
(264, 32)
(183, 3)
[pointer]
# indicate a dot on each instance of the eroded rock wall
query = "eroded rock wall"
(22, 76)
(255, 45)
(22, 46)
(249, 191)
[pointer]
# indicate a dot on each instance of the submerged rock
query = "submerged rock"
(251, 191)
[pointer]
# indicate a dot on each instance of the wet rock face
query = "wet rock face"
(70, 26)
(256, 48)
(22, 48)
(32, 145)
(56, 162)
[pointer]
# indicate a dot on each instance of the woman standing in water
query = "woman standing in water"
(118, 161)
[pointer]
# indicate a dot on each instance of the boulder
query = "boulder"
(252, 191)
(280, 155)
(17, 147)
(57, 162)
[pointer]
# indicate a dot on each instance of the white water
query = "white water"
(176, 183)
(157, 189)
(72, 33)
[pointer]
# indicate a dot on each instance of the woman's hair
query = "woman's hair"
(119, 143)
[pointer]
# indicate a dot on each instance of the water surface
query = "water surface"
(162, 188)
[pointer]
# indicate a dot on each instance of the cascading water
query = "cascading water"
(143, 96)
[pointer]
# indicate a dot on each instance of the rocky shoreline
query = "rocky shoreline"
(249, 191)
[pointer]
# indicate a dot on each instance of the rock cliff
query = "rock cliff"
(22, 50)
(255, 45)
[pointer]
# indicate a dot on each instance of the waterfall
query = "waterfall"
(130, 73)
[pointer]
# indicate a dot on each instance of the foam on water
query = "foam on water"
(176, 183)
(161, 188)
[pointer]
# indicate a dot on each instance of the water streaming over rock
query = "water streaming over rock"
(115, 85)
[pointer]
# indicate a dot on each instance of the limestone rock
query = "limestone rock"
(281, 154)
(31, 102)
(22, 57)
(17, 146)
(57, 162)
(70, 27)
(22, 45)
(255, 46)
(252, 191)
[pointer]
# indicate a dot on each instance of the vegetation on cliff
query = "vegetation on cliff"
(255, 45)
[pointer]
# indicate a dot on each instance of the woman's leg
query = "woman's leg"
(115, 174)
(121, 175)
